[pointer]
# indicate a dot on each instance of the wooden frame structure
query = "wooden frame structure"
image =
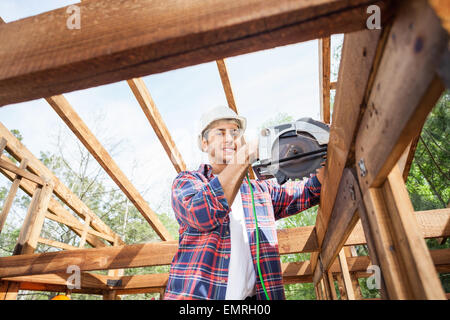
(379, 110)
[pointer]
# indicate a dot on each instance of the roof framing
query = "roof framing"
(166, 34)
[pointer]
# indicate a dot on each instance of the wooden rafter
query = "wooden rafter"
(166, 35)
(226, 84)
(324, 78)
(147, 104)
(82, 132)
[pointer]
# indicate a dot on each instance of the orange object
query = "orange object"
(60, 297)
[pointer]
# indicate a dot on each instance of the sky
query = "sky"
(264, 83)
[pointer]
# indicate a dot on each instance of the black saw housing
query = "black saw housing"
(291, 151)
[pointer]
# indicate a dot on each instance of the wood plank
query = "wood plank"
(131, 256)
(414, 252)
(293, 272)
(226, 84)
(358, 54)
(78, 227)
(21, 172)
(32, 225)
(19, 151)
(57, 244)
(58, 213)
(397, 109)
(165, 35)
(324, 78)
(87, 222)
(343, 219)
(82, 132)
(346, 275)
(11, 194)
(147, 104)
(300, 239)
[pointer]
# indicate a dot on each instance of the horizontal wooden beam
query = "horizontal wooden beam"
(165, 35)
(19, 151)
(292, 240)
(293, 272)
(88, 139)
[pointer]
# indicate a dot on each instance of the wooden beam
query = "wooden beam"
(226, 84)
(82, 132)
(324, 78)
(58, 213)
(358, 54)
(397, 109)
(19, 151)
(116, 257)
(11, 194)
(165, 35)
(292, 240)
(147, 104)
(414, 252)
(293, 272)
(21, 172)
(346, 275)
(342, 222)
(32, 225)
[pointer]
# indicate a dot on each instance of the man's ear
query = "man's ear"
(204, 145)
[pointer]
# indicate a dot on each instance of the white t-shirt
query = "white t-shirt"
(241, 273)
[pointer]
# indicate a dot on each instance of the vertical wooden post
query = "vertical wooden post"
(316, 288)
(324, 78)
(116, 272)
(405, 260)
(346, 275)
(87, 222)
(11, 194)
(331, 285)
(341, 286)
(351, 252)
(29, 233)
(31, 229)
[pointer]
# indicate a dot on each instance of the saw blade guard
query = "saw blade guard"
(292, 150)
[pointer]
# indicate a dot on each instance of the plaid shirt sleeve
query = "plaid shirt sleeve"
(198, 204)
(294, 196)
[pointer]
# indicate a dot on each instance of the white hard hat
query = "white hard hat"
(218, 113)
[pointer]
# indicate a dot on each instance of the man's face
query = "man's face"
(224, 138)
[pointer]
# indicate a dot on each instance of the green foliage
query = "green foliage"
(429, 178)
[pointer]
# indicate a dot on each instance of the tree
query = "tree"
(91, 184)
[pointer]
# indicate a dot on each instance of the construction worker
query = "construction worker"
(217, 256)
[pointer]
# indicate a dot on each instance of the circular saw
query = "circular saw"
(291, 151)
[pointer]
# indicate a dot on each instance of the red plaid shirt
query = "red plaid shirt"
(199, 270)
